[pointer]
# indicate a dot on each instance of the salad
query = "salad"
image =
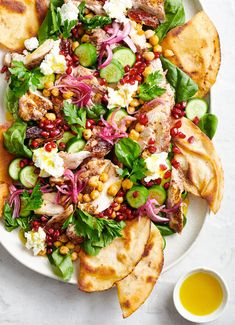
(99, 121)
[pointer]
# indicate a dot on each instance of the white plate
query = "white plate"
(176, 246)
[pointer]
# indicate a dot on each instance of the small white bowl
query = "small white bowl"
(206, 318)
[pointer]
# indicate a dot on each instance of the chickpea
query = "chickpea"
(149, 56)
(68, 95)
(74, 256)
(127, 184)
(55, 92)
(149, 33)
(86, 198)
(131, 109)
(100, 186)
(87, 134)
(75, 45)
(141, 102)
(117, 207)
(134, 135)
(63, 238)
(90, 15)
(140, 32)
(64, 250)
(48, 84)
(51, 116)
(168, 53)
(85, 38)
(80, 197)
(154, 40)
(70, 245)
(94, 194)
(46, 93)
(157, 48)
(113, 189)
(93, 181)
(104, 177)
(119, 199)
(57, 243)
(113, 215)
(42, 253)
(134, 102)
(139, 127)
(147, 71)
(149, 46)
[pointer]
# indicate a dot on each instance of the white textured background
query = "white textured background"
(27, 298)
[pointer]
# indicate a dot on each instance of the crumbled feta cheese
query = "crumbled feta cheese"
(121, 97)
(69, 11)
(35, 240)
(18, 57)
(153, 164)
(31, 43)
(138, 39)
(50, 163)
(117, 9)
(54, 62)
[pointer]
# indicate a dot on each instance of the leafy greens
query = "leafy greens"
(62, 265)
(95, 112)
(32, 201)
(150, 89)
(74, 115)
(208, 124)
(11, 223)
(94, 22)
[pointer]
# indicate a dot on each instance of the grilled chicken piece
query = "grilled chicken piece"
(73, 160)
(153, 7)
(33, 106)
(97, 146)
(35, 58)
(58, 219)
(98, 36)
(49, 206)
(71, 234)
(174, 196)
(96, 167)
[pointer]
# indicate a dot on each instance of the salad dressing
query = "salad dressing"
(201, 294)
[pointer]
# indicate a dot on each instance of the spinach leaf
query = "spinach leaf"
(62, 265)
(208, 124)
(14, 139)
(11, 223)
(127, 151)
(95, 112)
(165, 230)
(150, 89)
(74, 115)
(184, 86)
(94, 22)
(175, 16)
(32, 201)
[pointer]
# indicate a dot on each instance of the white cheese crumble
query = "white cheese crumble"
(121, 97)
(18, 57)
(35, 240)
(50, 163)
(69, 11)
(138, 40)
(117, 9)
(153, 164)
(31, 43)
(54, 62)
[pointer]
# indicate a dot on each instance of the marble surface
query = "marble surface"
(27, 298)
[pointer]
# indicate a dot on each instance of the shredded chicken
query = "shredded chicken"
(98, 147)
(73, 160)
(59, 219)
(49, 206)
(35, 58)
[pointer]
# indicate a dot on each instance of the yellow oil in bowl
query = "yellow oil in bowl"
(201, 293)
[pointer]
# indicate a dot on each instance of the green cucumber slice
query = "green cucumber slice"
(124, 56)
(14, 169)
(137, 196)
(118, 116)
(196, 107)
(158, 193)
(28, 177)
(75, 145)
(113, 72)
(66, 137)
(87, 54)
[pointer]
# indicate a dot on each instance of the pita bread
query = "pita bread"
(138, 285)
(200, 165)
(20, 20)
(116, 261)
(196, 48)
(4, 191)
(5, 158)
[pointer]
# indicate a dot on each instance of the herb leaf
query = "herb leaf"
(62, 265)
(32, 201)
(184, 86)
(94, 22)
(127, 151)
(74, 115)
(137, 172)
(95, 112)
(175, 16)
(11, 223)
(68, 25)
(150, 89)
(208, 124)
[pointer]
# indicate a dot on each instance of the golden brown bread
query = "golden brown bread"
(5, 158)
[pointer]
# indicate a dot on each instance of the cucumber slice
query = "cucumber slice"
(28, 177)
(66, 137)
(196, 107)
(113, 72)
(118, 116)
(75, 145)
(124, 56)
(87, 54)
(44, 79)
(158, 193)
(137, 196)
(14, 169)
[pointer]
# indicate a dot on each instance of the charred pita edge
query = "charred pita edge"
(13, 6)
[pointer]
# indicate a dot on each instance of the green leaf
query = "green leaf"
(14, 139)
(68, 26)
(94, 22)
(127, 151)
(95, 112)
(208, 124)
(183, 85)
(150, 89)
(32, 201)
(165, 230)
(9, 223)
(175, 16)
(63, 265)
(139, 170)
(68, 222)
(74, 115)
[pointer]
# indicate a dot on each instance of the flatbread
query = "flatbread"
(200, 165)
(5, 158)
(138, 285)
(4, 192)
(116, 261)
(196, 48)
(20, 20)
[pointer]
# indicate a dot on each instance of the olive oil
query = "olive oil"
(201, 294)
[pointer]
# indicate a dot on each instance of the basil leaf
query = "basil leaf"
(208, 124)
(94, 22)
(127, 151)
(14, 139)
(74, 115)
(184, 86)
(95, 112)
(175, 16)
(62, 265)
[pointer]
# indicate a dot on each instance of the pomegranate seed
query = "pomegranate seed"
(101, 215)
(138, 78)
(122, 82)
(62, 145)
(48, 147)
(62, 52)
(196, 120)
(120, 193)
(75, 58)
(53, 145)
(121, 217)
(36, 171)
(178, 124)
(158, 181)
(4, 69)
(35, 223)
(183, 105)
(132, 81)
(151, 141)
(175, 163)
(138, 57)
(44, 219)
(31, 163)
(56, 233)
(49, 127)
(176, 150)
(162, 167)
(143, 119)
(152, 149)
(58, 121)
(69, 70)
(54, 133)
(181, 135)
(127, 68)
(51, 231)
(90, 123)
(191, 139)
(49, 238)
(102, 82)
(49, 251)
(167, 174)
(178, 105)
(41, 124)
(22, 164)
(66, 127)
(174, 132)
(45, 134)
(166, 185)
(109, 211)
(96, 74)
(135, 194)
(149, 184)
(157, 55)
(35, 144)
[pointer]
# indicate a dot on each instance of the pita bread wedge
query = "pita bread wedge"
(20, 20)
(138, 285)
(200, 165)
(116, 261)
(5, 158)
(4, 191)
(196, 49)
